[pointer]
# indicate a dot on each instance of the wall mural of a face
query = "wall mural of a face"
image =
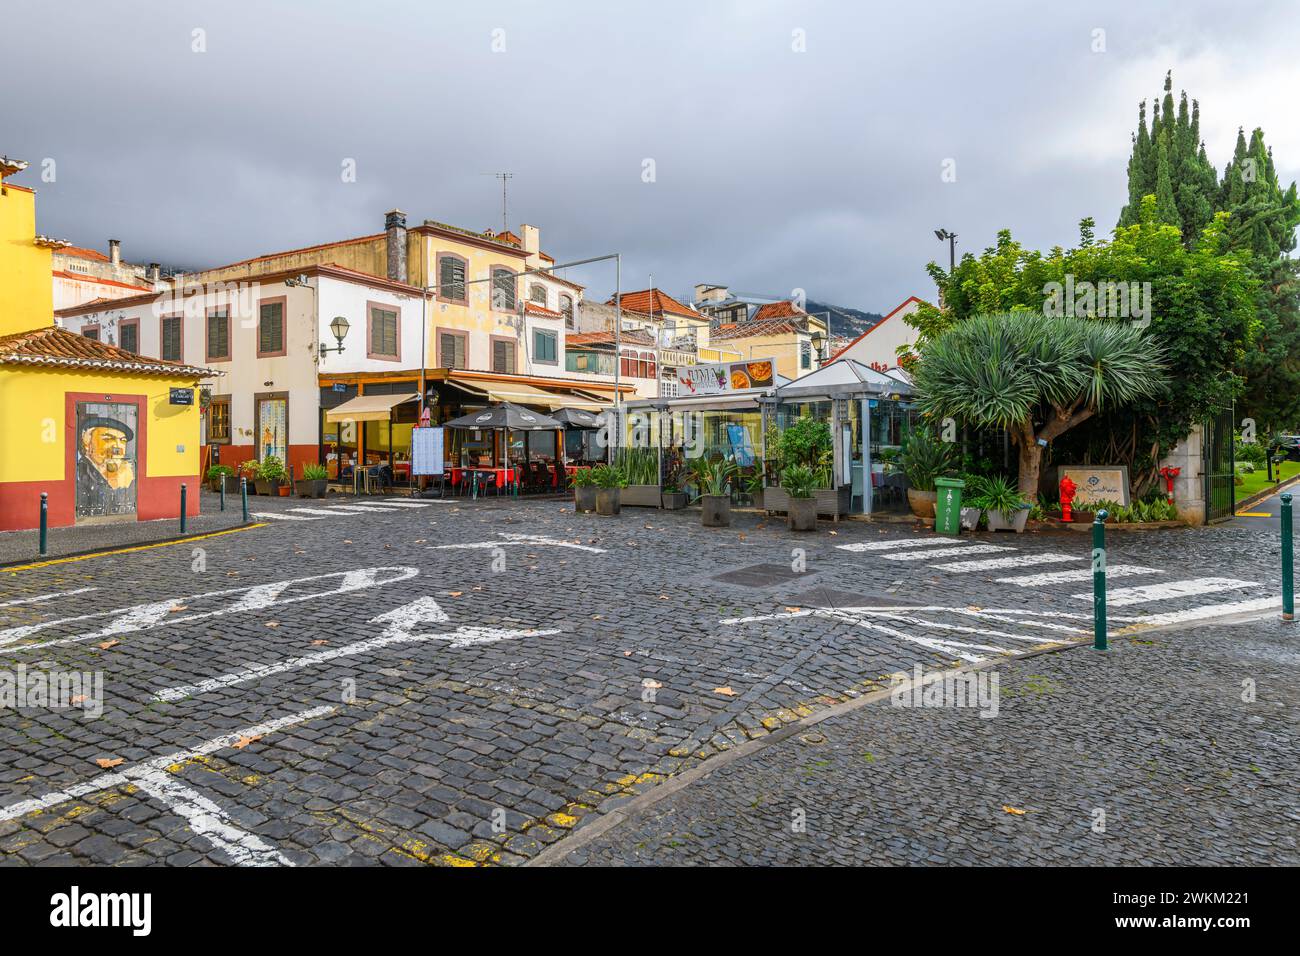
(105, 446)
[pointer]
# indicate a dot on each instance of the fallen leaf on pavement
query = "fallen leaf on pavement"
(272, 623)
(79, 698)
(455, 593)
(107, 762)
(1014, 810)
(725, 691)
(243, 742)
(177, 607)
(794, 609)
(319, 643)
(650, 682)
(107, 644)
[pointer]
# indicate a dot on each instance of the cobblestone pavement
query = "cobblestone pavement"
(1147, 755)
(457, 682)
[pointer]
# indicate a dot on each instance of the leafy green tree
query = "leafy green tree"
(1035, 376)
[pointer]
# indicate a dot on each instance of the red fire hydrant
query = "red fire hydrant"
(1068, 488)
(1169, 474)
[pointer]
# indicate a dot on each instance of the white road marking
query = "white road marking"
(404, 503)
(1082, 574)
(955, 648)
(1019, 561)
(358, 509)
(1203, 612)
(132, 774)
(947, 552)
(527, 539)
(980, 632)
(255, 597)
(399, 630)
(1120, 597)
(208, 820)
(280, 516)
(898, 543)
(45, 597)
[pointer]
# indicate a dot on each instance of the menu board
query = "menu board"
(426, 451)
(714, 378)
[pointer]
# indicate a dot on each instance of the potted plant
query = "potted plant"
(610, 482)
(270, 475)
(1004, 506)
(673, 497)
(713, 481)
(754, 488)
(924, 459)
(247, 472)
(640, 468)
(584, 490)
(217, 476)
(800, 484)
(313, 481)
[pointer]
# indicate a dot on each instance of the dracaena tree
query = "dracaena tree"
(1037, 376)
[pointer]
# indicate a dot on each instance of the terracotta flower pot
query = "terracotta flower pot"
(921, 502)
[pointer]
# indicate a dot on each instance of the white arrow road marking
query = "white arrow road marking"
(1205, 611)
(898, 543)
(1169, 589)
(400, 622)
(45, 597)
(254, 597)
(519, 539)
(1083, 574)
(243, 848)
(1019, 561)
(947, 552)
(209, 821)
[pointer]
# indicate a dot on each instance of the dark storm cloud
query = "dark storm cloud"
(775, 169)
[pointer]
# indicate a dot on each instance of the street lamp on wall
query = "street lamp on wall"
(339, 326)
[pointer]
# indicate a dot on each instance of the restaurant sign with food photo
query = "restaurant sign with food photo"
(716, 377)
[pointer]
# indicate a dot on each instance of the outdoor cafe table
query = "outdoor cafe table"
(504, 476)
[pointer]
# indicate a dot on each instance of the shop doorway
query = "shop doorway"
(106, 455)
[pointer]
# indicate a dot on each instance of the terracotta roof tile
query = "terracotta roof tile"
(79, 253)
(629, 337)
(776, 310)
(51, 345)
(748, 329)
(95, 280)
(656, 301)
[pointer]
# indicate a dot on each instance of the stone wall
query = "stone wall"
(1189, 486)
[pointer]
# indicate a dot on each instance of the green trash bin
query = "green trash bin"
(947, 505)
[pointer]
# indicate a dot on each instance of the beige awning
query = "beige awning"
(522, 394)
(368, 408)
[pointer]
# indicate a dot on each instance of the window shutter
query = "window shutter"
(503, 356)
(451, 278)
(270, 328)
(130, 335)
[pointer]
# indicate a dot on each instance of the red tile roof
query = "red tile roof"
(777, 310)
(51, 345)
(629, 337)
(542, 310)
(656, 301)
(79, 253)
(94, 280)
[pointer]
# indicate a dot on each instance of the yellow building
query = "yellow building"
(104, 432)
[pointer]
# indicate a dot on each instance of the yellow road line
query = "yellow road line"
(138, 547)
(1253, 514)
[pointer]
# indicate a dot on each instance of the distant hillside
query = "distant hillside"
(849, 323)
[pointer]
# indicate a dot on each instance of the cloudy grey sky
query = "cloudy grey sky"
(774, 168)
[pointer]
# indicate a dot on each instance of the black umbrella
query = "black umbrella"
(576, 418)
(507, 415)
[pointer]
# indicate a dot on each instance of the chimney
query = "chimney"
(531, 238)
(395, 227)
(155, 272)
(115, 252)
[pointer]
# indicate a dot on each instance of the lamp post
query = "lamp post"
(941, 235)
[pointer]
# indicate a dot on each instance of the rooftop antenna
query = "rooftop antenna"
(505, 217)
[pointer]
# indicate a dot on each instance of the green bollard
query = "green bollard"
(1099, 637)
(45, 518)
(1288, 568)
(182, 507)
(223, 493)
(243, 495)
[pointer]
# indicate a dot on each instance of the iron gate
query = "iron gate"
(1217, 466)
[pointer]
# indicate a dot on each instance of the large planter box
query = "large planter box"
(675, 500)
(584, 498)
(265, 487)
(643, 496)
(715, 511)
(311, 487)
(997, 522)
(802, 514)
(608, 501)
(831, 502)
